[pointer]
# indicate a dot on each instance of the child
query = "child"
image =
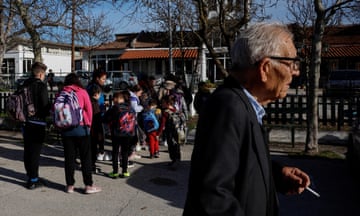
(96, 125)
(171, 122)
(122, 120)
(151, 125)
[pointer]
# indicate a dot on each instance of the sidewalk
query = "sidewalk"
(153, 189)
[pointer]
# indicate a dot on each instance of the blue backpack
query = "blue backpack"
(150, 121)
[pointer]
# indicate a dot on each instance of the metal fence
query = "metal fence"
(333, 111)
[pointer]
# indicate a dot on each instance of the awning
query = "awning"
(342, 51)
(158, 54)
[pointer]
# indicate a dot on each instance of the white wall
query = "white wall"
(59, 60)
(61, 65)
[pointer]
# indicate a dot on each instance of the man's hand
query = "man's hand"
(295, 180)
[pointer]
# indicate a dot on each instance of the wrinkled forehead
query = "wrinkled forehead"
(287, 47)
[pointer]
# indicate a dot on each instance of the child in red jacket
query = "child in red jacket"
(151, 125)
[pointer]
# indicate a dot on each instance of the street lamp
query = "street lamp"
(171, 66)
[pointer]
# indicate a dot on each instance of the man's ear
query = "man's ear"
(264, 69)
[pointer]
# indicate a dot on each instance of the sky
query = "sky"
(122, 22)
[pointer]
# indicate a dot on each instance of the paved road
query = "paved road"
(152, 189)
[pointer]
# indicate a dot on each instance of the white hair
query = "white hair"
(256, 42)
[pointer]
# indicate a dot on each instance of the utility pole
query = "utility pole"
(171, 66)
(73, 13)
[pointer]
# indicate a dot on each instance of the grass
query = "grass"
(3, 115)
(328, 154)
(191, 122)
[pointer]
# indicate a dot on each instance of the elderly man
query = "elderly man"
(231, 172)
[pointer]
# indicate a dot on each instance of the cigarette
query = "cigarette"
(313, 192)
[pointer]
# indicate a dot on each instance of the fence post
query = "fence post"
(332, 111)
(324, 109)
(340, 117)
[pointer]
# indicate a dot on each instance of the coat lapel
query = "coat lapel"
(259, 136)
(262, 154)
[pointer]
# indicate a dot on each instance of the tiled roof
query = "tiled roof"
(157, 54)
(342, 51)
(117, 45)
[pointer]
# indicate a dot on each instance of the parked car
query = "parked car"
(20, 80)
(342, 83)
(84, 76)
(122, 79)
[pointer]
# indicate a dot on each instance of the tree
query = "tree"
(82, 24)
(37, 16)
(318, 14)
(44, 18)
(227, 18)
(206, 18)
(10, 30)
(173, 16)
(92, 32)
(6, 26)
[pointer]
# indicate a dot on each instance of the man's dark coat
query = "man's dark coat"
(231, 172)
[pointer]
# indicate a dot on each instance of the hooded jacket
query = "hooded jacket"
(85, 104)
(40, 98)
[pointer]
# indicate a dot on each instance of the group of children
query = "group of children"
(126, 123)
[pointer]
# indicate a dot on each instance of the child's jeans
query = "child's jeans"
(124, 143)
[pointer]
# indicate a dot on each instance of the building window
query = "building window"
(158, 67)
(189, 66)
(213, 72)
(8, 66)
(183, 66)
(78, 64)
(114, 65)
(27, 65)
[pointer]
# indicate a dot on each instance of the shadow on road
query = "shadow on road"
(159, 180)
(331, 178)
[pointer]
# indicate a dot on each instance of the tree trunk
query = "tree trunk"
(2, 36)
(36, 45)
(204, 29)
(31, 30)
(314, 76)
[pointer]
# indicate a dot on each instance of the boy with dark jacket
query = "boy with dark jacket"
(34, 127)
(96, 125)
(121, 135)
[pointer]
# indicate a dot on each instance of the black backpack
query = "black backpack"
(125, 122)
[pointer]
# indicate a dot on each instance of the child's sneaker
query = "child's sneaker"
(107, 157)
(131, 164)
(134, 156)
(113, 175)
(92, 189)
(125, 175)
(157, 154)
(100, 156)
(69, 189)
